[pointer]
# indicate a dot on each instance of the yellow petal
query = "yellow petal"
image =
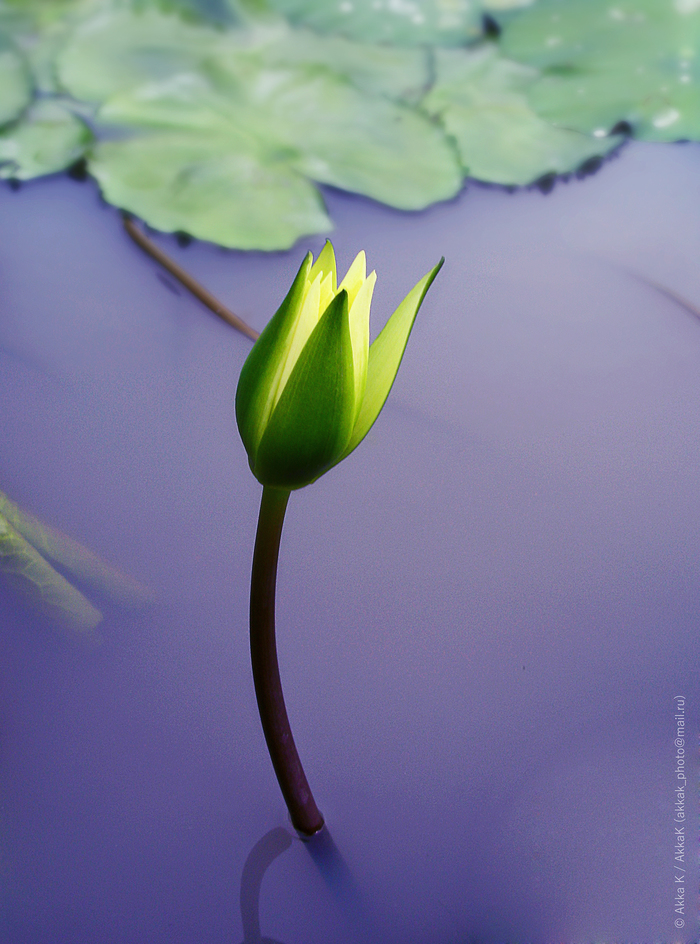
(307, 319)
(359, 335)
(325, 265)
(327, 291)
(355, 277)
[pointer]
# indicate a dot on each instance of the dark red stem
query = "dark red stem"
(305, 815)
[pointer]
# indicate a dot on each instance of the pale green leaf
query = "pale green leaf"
(41, 27)
(231, 163)
(370, 146)
(47, 139)
(402, 22)
(15, 81)
(635, 61)
(121, 48)
(397, 72)
(480, 99)
(210, 189)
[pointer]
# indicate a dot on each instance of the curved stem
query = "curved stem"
(305, 815)
(192, 285)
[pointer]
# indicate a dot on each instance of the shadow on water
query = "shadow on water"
(261, 857)
(338, 877)
(330, 864)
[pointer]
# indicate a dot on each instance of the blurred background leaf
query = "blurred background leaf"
(219, 117)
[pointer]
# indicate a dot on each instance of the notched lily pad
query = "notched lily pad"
(220, 133)
(480, 99)
(605, 62)
(236, 173)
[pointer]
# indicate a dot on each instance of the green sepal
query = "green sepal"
(385, 356)
(256, 386)
(313, 419)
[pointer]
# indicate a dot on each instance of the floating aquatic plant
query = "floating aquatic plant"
(308, 394)
(223, 124)
(603, 63)
(481, 100)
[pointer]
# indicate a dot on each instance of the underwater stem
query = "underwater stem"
(305, 815)
(192, 285)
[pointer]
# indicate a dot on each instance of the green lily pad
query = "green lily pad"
(602, 63)
(480, 99)
(49, 138)
(15, 81)
(233, 168)
(176, 183)
(402, 22)
(40, 27)
(494, 6)
(220, 133)
(398, 72)
(121, 49)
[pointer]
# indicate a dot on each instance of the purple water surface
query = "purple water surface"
(484, 614)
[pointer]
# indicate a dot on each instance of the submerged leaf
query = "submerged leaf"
(480, 99)
(34, 576)
(634, 61)
(73, 556)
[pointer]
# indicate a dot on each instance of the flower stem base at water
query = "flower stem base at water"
(304, 813)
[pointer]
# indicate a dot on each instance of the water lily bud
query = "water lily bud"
(313, 386)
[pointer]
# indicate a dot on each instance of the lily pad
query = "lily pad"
(480, 99)
(605, 62)
(121, 49)
(233, 169)
(402, 22)
(48, 139)
(221, 131)
(15, 81)
(40, 27)
(398, 72)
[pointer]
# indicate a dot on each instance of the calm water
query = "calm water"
(484, 614)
